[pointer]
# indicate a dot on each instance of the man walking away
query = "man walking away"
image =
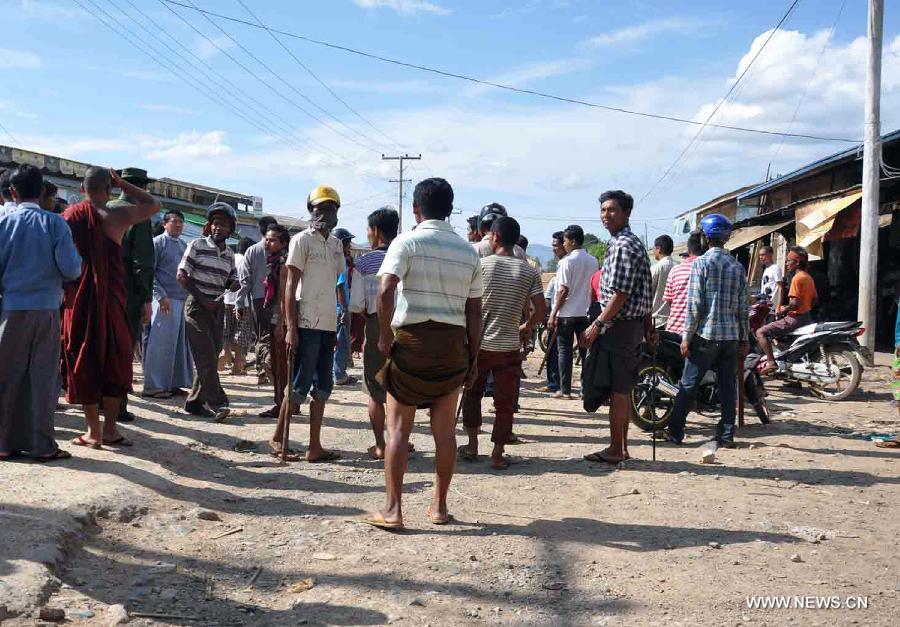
(552, 360)
(510, 285)
(206, 271)
(238, 321)
(383, 225)
(342, 347)
(624, 322)
(252, 290)
(168, 365)
(431, 338)
(676, 293)
(97, 348)
(37, 255)
(315, 259)
(659, 273)
(573, 297)
(801, 298)
(137, 253)
(715, 332)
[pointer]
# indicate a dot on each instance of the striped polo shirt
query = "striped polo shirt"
(509, 284)
(364, 290)
(438, 272)
(208, 266)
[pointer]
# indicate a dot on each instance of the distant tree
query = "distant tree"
(551, 265)
(597, 249)
(590, 239)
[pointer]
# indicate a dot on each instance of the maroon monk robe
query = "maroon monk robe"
(96, 350)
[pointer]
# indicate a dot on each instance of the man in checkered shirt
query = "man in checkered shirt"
(626, 298)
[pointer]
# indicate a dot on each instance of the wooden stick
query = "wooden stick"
(228, 533)
(253, 579)
(163, 616)
(547, 354)
(740, 407)
(284, 412)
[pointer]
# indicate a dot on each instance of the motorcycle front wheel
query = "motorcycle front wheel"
(650, 408)
(543, 337)
(841, 364)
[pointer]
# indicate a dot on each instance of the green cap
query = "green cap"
(135, 176)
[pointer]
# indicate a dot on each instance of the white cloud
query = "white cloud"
(533, 72)
(189, 146)
(11, 108)
(19, 59)
(208, 48)
(41, 10)
(638, 32)
(404, 6)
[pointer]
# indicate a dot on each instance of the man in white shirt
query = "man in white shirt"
(552, 386)
(573, 297)
(773, 275)
(659, 273)
(6, 192)
(315, 259)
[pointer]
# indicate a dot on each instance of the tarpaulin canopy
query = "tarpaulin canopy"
(817, 218)
(749, 234)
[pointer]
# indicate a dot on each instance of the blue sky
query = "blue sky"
(76, 89)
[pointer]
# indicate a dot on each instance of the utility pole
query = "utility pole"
(401, 180)
(871, 181)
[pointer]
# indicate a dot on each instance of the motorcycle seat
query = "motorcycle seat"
(820, 327)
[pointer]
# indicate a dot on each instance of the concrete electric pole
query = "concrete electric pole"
(400, 180)
(871, 180)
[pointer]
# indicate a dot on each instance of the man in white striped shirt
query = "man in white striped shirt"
(383, 225)
(206, 271)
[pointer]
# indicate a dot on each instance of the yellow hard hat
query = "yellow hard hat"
(322, 193)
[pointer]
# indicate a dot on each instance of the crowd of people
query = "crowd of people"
(433, 315)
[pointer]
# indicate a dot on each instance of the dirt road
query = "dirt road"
(199, 523)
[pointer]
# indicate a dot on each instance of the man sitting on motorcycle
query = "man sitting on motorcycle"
(795, 314)
(715, 330)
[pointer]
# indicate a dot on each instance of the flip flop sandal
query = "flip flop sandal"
(58, 455)
(119, 441)
(437, 519)
(292, 455)
(81, 441)
(327, 456)
(377, 520)
(888, 444)
(162, 394)
(597, 457)
(464, 454)
(268, 413)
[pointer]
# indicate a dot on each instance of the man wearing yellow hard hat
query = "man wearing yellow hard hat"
(315, 259)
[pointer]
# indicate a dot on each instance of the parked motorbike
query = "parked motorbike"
(653, 397)
(825, 355)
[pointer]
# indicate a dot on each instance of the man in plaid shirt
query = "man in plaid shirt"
(715, 330)
(626, 298)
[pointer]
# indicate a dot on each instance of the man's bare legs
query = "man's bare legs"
(316, 415)
(619, 411)
(109, 432)
(443, 428)
(92, 418)
(766, 345)
(398, 422)
(377, 418)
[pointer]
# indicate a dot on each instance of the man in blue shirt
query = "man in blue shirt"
(715, 330)
(342, 347)
(37, 255)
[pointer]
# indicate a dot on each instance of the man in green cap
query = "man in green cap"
(137, 250)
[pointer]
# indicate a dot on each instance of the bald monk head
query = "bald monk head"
(97, 185)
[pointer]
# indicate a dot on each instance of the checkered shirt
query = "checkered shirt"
(717, 308)
(626, 268)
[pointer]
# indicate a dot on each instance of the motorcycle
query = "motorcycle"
(825, 355)
(653, 397)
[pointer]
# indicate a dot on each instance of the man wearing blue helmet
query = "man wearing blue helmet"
(715, 330)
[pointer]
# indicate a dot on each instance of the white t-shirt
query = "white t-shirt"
(770, 278)
(240, 266)
(574, 271)
(320, 261)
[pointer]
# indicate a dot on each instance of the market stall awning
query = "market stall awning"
(816, 219)
(749, 234)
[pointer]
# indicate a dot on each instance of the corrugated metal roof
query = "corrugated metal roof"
(844, 155)
(715, 201)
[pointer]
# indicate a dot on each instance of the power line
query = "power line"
(316, 77)
(720, 103)
(520, 90)
(10, 135)
(249, 71)
(812, 76)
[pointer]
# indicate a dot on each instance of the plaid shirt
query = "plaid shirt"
(626, 268)
(717, 308)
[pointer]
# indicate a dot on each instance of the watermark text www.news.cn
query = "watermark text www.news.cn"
(808, 603)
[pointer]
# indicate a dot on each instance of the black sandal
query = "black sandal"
(57, 455)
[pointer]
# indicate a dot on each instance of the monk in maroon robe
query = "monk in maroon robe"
(97, 343)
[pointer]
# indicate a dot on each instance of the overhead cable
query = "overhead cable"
(520, 90)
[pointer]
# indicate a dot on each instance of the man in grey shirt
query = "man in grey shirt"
(252, 290)
(662, 252)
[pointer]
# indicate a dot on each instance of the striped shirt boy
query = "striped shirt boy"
(438, 272)
(509, 283)
(209, 267)
(364, 291)
(676, 295)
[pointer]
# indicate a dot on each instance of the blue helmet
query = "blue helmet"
(225, 208)
(716, 226)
